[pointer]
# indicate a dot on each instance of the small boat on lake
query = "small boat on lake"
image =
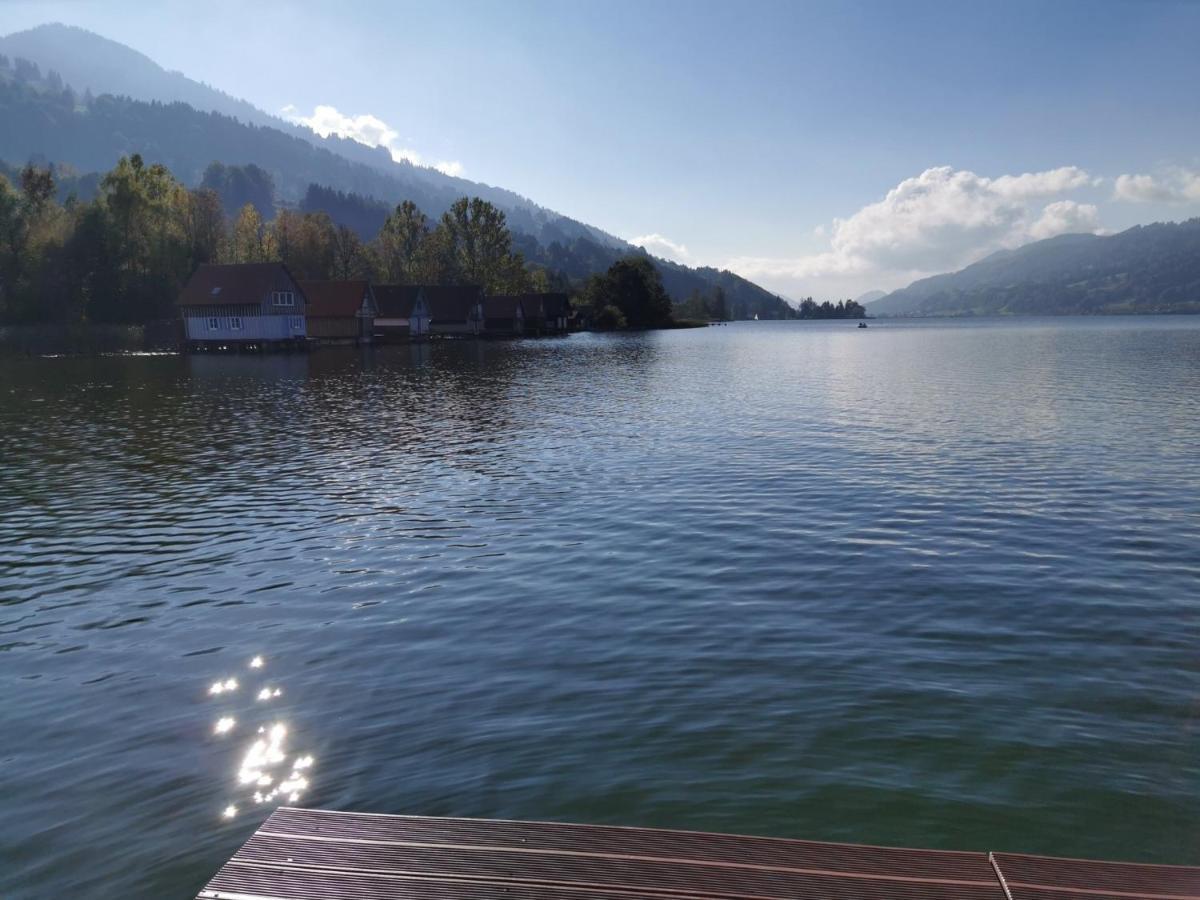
(862, 324)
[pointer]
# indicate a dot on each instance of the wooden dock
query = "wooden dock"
(308, 854)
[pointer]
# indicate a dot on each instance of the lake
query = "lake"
(932, 583)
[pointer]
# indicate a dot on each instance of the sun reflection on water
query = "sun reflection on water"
(268, 771)
(229, 685)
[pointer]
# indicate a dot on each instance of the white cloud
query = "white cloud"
(938, 221)
(1174, 186)
(1040, 184)
(1065, 217)
(366, 129)
(658, 245)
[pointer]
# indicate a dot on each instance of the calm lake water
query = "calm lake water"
(931, 583)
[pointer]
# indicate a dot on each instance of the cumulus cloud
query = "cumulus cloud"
(938, 221)
(1039, 184)
(1065, 217)
(366, 129)
(1174, 186)
(658, 245)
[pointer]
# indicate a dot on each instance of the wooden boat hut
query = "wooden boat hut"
(454, 310)
(556, 313)
(503, 315)
(249, 304)
(531, 305)
(401, 312)
(341, 312)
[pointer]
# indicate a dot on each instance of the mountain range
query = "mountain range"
(86, 101)
(1145, 269)
(76, 99)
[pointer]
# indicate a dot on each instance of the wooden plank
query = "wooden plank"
(1054, 878)
(305, 854)
(301, 854)
(683, 846)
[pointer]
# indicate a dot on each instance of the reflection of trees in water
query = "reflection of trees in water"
(447, 402)
(182, 429)
(474, 405)
(119, 423)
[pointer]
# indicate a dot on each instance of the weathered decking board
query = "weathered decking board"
(317, 855)
(1052, 878)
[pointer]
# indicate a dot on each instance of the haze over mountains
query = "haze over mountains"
(1145, 269)
(136, 106)
(91, 100)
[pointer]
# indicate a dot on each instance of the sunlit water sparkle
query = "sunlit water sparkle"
(263, 774)
(923, 584)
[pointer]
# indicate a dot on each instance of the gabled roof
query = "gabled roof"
(341, 299)
(502, 306)
(242, 283)
(451, 303)
(396, 301)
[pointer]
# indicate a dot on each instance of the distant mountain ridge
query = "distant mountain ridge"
(88, 61)
(870, 297)
(140, 107)
(1145, 269)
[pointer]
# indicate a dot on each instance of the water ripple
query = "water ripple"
(935, 583)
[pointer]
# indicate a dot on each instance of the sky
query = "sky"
(821, 149)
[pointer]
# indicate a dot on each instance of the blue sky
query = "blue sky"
(819, 148)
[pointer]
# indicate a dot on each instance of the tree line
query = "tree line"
(88, 133)
(123, 256)
(843, 309)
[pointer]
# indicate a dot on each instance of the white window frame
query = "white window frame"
(283, 298)
(296, 323)
(235, 323)
(214, 323)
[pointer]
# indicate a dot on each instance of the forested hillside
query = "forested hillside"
(1146, 269)
(46, 120)
(94, 65)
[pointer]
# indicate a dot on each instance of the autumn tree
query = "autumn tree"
(478, 247)
(250, 241)
(305, 243)
(351, 258)
(398, 245)
(147, 212)
(204, 226)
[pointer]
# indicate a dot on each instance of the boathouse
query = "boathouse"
(503, 315)
(401, 312)
(249, 304)
(556, 313)
(454, 310)
(340, 312)
(531, 306)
